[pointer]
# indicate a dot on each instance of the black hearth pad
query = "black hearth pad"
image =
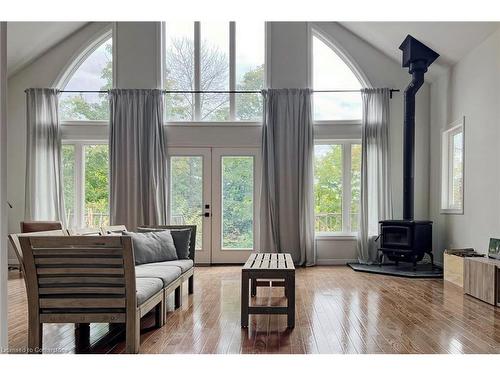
(423, 271)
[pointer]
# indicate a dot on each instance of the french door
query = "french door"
(216, 189)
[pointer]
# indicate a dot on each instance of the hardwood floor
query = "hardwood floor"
(337, 311)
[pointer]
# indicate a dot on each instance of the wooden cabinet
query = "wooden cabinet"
(454, 269)
(481, 279)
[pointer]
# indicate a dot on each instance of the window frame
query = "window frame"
(81, 133)
(197, 33)
(447, 167)
(346, 58)
(346, 187)
(79, 177)
(77, 62)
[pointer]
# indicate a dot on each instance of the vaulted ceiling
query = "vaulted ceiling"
(28, 40)
(452, 40)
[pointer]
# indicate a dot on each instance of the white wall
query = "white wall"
(44, 72)
(470, 89)
(3, 185)
(137, 49)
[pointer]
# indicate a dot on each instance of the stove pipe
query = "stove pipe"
(417, 57)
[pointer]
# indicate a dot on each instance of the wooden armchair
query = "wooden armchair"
(86, 279)
(40, 226)
(14, 241)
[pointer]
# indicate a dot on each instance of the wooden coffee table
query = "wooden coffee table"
(277, 268)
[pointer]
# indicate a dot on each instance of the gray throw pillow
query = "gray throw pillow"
(153, 247)
(181, 237)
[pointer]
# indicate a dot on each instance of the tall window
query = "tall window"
(337, 178)
(86, 162)
(95, 73)
(330, 72)
(212, 56)
(452, 195)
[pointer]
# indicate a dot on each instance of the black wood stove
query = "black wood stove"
(407, 240)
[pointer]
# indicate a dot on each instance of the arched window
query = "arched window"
(86, 160)
(330, 72)
(337, 161)
(93, 72)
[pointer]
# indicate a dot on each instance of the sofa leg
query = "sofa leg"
(160, 314)
(35, 335)
(133, 335)
(191, 284)
(178, 296)
(82, 335)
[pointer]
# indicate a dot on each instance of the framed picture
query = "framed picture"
(494, 248)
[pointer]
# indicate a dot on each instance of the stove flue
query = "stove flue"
(408, 239)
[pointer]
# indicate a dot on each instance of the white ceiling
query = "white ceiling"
(452, 40)
(28, 40)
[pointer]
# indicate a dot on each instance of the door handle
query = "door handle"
(206, 214)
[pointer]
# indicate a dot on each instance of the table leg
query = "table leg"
(244, 299)
(290, 292)
(253, 287)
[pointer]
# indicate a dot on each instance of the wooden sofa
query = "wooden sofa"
(173, 280)
(84, 279)
(92, 260)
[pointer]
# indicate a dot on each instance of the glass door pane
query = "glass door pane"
(186, 192)
(237, 202)
(190, 195)
(235, 176)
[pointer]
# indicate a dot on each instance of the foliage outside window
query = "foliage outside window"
(186, 193)
(452, 195)
(330, 72)
(337, 182)
(86, 184)
(95, 73)
(237, 202)
(217, 57)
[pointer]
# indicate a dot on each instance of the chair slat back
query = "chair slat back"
(40, 226)
(79, 275)
(14, 240)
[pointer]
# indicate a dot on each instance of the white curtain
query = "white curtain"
(138, 158)
(287, 205)
(44, 191)
(376, 200)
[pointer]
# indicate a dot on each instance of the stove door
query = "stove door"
(396, 236)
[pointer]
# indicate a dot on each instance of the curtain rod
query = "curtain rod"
(209, 91)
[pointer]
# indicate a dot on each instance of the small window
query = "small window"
(330, 72)
(452, 179)
(337, 183)
(214, 56)
(86, 184)
(94, 73)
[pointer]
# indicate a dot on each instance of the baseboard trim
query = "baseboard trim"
(334, 262)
